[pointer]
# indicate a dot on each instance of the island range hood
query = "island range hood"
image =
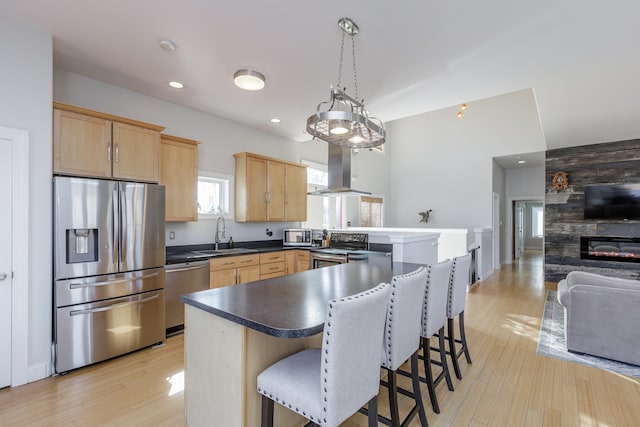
(339, 179)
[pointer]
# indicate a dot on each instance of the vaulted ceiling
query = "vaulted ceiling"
(579, 57)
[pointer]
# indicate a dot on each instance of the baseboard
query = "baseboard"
(39, 371)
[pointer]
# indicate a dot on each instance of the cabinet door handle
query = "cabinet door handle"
(117, 151)
(108, 152)
(273, 268)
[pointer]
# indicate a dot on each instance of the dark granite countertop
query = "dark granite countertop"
(294, 306)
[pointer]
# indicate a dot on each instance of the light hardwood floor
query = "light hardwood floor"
(508, 384)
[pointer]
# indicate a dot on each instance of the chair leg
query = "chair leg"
(393, 398)
(267, 412)
(426, 358)
(452, 348)
(415, 379)
(372, 414)
(463, 337)
(443, 359)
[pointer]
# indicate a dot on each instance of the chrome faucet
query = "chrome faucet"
(224, 227)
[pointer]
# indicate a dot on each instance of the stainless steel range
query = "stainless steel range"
(343, 247)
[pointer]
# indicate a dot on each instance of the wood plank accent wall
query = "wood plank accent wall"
(606, 163)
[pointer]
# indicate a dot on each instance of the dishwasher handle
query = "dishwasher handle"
(168, 269)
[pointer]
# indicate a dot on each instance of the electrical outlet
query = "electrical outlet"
(269, 232)
(172, 235)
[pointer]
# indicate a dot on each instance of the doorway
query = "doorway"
(14, 281)
(526, 226)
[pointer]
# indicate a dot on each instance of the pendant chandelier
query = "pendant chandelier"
(345, 122)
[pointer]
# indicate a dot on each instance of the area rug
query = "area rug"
(552, 343)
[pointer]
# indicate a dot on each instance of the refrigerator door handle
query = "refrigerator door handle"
(116, 227)
(123, 226)
(111, 307)
(110, 282)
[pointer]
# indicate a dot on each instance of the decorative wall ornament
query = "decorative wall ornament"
(560, 181)
(425, 215)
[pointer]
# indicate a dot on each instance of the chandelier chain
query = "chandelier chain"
(355, 73)
(340, 63)
(353, 56)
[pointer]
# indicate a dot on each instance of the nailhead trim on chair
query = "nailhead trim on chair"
(426, 298)
(450, 297)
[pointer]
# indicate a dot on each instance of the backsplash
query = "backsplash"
(204, 230)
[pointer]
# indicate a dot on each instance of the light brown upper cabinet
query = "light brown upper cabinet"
(295, 200)
(179, 175)
(269, 189)
(90, 143)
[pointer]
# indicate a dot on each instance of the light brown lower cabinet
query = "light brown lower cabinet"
(233, 270)
(272, 264)
(227, 271)
(302, 258)
(297, 260)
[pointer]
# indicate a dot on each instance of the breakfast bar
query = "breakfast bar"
(234, 333)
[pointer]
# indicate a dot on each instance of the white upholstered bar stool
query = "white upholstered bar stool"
(330, 384)
(402, 342)
(434, 318)
(457, 299)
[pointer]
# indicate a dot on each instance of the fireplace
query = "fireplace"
(625, 249)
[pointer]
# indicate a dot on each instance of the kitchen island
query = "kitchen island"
(234, 333)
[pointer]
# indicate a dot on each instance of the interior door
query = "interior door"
(6, 173)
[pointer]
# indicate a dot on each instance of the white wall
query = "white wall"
(443, 163)
(220, 139)
(526, 182)
(26, 104)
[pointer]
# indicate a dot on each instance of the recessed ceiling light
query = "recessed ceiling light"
(167, 45)
(463, 107)
(249, 79)
(521, 162)
(460, 114)
(274, 120)
(176, 85)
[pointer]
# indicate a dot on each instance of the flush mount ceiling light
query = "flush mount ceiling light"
(249, 79)
(346, 123)
(176, 85)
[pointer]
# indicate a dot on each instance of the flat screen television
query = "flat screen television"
(612, 201)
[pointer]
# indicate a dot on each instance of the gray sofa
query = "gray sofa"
(601, 315)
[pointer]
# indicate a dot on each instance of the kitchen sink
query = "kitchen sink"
(224, 251)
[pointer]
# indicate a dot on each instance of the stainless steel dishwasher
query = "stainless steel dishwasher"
(182, 279)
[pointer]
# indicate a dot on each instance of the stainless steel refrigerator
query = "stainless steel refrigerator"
(109, 256)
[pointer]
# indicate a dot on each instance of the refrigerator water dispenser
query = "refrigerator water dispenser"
(82, 245)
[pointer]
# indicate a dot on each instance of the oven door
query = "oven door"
(319, 259)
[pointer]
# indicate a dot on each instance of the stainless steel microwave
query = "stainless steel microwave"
(297, 237)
